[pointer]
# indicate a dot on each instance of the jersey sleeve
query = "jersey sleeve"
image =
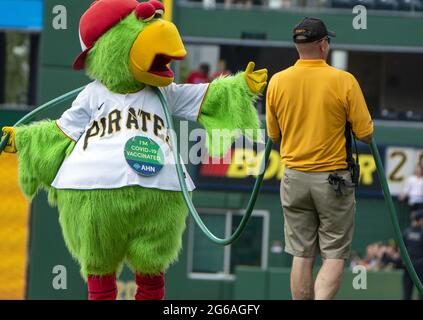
(74, 120)
(273, 130)
(358, 113)
(185, 100)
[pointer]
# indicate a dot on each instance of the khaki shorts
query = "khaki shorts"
(316, 219)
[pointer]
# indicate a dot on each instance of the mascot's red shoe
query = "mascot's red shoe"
(150, 287)
(102, 287)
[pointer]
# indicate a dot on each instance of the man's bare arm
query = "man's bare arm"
(367, 139)
(276, 141)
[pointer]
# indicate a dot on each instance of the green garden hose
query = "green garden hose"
(191, 207)
(47, 106)
(394, 218)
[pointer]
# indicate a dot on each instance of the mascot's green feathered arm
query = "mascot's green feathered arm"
(41, 148)
(229, 107)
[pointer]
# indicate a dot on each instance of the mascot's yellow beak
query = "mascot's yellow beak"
(156, 46)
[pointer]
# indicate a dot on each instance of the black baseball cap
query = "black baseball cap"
(310, 30)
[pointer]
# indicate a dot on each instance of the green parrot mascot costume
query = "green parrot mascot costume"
(112, 209)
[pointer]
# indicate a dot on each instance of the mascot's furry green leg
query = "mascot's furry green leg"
(102, 233)
(118, 207)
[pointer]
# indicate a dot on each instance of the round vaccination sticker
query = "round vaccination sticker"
(144, 156)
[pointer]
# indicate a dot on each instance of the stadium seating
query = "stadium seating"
(401, 5)
(411, 116)
(369, 4)
(387, 114)
(387, 4)
(410, 5)
(342, 4)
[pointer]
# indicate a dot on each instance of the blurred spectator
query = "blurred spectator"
(390, 257)
(413, 190)
(221, 71)
(238, 3)
(356, 260)
(372, 259)
(413, 238)
(278, 4)
(378, 257)
(201, 75)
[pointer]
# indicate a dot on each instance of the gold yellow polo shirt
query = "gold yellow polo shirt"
(307, 107)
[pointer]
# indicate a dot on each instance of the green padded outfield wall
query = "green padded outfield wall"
(382, 29)
(59, 47)
(267, 285)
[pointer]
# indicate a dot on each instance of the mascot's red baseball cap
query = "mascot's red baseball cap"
(97, 20)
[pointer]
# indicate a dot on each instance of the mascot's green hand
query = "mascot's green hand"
(11, 146)
(256, 80)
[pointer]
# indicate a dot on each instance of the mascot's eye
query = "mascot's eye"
(145, 11)
(159, 7)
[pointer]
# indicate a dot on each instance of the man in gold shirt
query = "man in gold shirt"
(308, 108)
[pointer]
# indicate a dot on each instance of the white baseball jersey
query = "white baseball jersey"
(103, 122)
